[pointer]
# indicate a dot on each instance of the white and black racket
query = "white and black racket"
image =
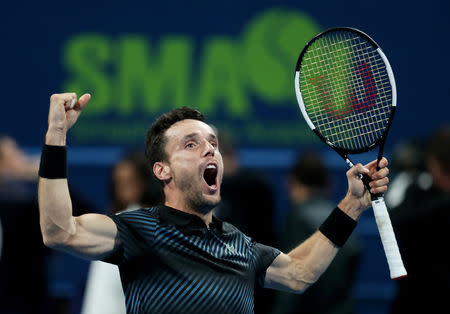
(346, 92)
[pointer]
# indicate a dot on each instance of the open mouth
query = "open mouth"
(210, 175)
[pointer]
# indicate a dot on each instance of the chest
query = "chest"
(228, 249)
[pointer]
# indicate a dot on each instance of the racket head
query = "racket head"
(346, 89)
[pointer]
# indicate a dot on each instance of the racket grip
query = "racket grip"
(394, 259)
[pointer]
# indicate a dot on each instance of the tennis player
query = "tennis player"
(177, 257)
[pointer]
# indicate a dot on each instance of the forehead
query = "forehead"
(183, 128)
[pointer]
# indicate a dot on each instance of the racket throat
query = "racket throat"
(349, 162)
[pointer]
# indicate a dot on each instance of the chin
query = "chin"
(206, 205)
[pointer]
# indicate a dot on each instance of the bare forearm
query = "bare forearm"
(312, 258)
(317, 252)
(55, 205)
(304, 265)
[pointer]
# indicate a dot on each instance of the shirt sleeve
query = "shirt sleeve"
(264, 256)
(131, 241)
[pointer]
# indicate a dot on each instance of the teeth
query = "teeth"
(211, 167)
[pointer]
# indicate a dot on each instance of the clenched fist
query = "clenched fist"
(63, 113)
(358, 198)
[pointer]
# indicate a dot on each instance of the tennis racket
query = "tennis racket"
(346, 92)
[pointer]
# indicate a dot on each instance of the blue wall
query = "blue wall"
(232, 59)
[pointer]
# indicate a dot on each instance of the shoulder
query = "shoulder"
(137, 219)
(229, 229)
(144, 213)
(255, 249)
(136, 230)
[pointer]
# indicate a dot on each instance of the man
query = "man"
(177, 258)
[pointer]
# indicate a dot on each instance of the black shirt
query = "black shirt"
(171, 262)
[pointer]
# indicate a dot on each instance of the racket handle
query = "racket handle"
(394, 259)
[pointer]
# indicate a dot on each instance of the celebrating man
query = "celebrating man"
(177, 257)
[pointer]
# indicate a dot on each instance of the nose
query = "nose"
(209, 149)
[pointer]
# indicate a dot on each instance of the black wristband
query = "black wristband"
(338, 227)
(53, 162)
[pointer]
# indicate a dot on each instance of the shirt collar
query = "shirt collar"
(186, 222)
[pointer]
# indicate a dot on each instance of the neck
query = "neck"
(182, 206)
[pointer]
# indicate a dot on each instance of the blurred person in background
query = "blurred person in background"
(421, 223)
(15, 165)
(33, 279)
(132, 187)
(22, 258)
(308, 187)
(246, 194)
(408, 167)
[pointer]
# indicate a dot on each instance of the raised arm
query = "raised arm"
(90, 236)
(301, 267)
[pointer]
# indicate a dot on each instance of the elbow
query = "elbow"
(55, 236)
(48, 241)
(51, 241)
(302, 277)
(54, 239)
(298, 287)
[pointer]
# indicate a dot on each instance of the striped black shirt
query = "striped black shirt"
(170, 262)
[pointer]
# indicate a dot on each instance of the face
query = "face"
(195, 166)
(127, 184)
(441, 177)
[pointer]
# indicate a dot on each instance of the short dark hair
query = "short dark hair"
(310, 170)
(438, 147)
(155, 142)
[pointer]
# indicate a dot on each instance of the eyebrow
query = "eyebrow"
(189, 136)
(194, 135)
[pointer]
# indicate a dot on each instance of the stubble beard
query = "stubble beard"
(194, 197)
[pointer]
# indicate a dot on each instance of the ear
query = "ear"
(162, 171)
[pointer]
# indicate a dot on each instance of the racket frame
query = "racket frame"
(380, 211)
(381, 140)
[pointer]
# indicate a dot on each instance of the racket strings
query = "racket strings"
(344, 126)
(348, 95)
(365, 82)
(346, 134)
(343, 87)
